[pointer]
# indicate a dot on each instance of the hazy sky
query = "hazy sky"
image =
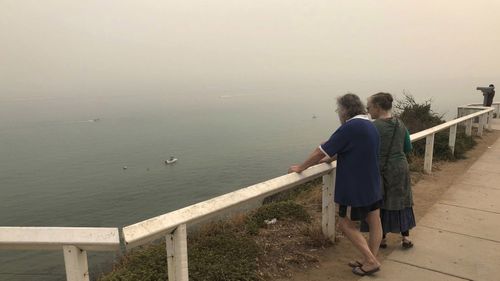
(100, 47)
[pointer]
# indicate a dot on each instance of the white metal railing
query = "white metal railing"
(173, 225)
(76, 241)
(485, 115)
(475, 107)
(495, 105)
(73, 241)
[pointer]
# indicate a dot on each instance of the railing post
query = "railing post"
(177, 256)
(75, 260)
(490, 119)
(468, 127)
(480, 126)
(328, 211)
(452, 139)
(429, 151)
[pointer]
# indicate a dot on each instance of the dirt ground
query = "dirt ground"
(329, 262)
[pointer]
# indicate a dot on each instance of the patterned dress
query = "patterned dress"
(397, 210)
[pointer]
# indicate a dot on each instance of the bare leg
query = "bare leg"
(357, 239)
(373, 221)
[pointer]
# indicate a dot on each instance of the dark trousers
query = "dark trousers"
(488, 99)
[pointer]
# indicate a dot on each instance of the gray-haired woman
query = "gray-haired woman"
(357, 184)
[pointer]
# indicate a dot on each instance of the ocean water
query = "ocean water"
(61, 167)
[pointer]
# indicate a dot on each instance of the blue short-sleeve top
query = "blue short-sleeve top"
(356, 144)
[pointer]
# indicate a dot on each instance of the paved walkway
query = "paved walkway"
(459, 237)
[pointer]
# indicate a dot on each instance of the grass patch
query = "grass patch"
(278, 210)
(147, 264)
(222, 253)
(218, 251)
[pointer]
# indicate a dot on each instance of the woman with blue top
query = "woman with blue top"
(355, 144)
(397, 211)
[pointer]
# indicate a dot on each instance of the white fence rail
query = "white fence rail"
(73, 241)
(495, 105)
(76, 241)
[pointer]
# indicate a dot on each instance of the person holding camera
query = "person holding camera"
(488, 93)
(397, 211)
(357, 185)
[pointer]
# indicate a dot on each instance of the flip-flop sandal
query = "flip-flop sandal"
(355, 264)
(359, 271)
(407, 244)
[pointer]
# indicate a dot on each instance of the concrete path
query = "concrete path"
(459, 238)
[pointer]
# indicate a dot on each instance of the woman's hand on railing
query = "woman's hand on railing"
(312, 160)
(295, 169)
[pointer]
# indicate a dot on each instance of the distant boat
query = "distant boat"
(125, 167)
(172, 160)
(314, 116)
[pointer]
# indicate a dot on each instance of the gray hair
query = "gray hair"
(351, 105)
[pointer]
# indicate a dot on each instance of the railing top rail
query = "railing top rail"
(435, 129)
(53, 238)
(480, 104)
(476, 107)
(154, 228)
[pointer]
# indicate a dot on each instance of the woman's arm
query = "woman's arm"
(316, 156)
(327, 159)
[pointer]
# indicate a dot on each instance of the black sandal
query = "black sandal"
(406, 244)
(359, 271)
(354, 264)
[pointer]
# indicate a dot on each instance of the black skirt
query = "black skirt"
(394, 221)
(359, 213)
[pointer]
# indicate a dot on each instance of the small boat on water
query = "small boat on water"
(172, 160)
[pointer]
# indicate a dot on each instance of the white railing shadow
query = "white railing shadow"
(173, 225)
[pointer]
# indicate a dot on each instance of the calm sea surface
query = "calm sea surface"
(60, 167)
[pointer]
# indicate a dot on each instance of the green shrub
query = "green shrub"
(220, 253)
(224, 256)
(418, 117)
(145, 264)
